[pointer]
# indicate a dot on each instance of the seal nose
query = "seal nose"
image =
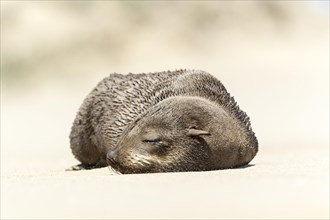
(111, 155)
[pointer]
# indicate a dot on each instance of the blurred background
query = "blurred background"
(272, 56)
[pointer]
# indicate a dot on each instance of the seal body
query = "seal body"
(162, 122)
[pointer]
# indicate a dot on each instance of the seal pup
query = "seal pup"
(173, 121)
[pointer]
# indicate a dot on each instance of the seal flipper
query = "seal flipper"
(85, 167)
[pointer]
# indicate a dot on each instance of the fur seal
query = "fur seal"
(173, 121)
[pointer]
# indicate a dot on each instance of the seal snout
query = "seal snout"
(112, 155)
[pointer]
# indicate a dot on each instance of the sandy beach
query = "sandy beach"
(279, 184)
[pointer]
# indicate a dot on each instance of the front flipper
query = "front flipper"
(84, 167)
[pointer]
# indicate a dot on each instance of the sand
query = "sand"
(278, 184)
(285, 180)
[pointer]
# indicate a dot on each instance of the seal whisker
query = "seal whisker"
(112, 169)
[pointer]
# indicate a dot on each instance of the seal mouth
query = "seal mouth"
(137, 163)
(142, 167)
(112, 166)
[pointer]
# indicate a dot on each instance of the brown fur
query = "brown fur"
(162, 122)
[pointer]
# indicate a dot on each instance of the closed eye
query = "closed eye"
(152, 141)
(158, 142)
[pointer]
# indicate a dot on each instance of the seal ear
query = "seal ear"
(195, 132)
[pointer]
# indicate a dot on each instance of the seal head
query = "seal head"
(182, 133)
